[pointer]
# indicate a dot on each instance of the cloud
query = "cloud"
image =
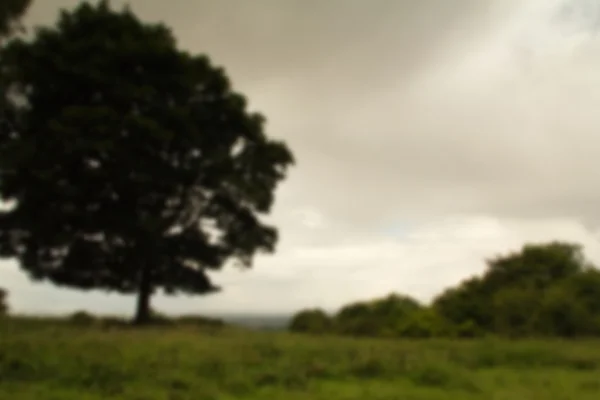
(429, 135)
(428, 109)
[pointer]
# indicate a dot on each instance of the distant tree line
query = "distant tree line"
(544, 290)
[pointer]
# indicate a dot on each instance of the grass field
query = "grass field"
(57, 362)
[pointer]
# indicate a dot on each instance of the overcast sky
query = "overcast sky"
(429, 135)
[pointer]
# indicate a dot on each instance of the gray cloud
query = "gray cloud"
(409, 108)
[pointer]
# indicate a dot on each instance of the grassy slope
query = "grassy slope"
(52, 362)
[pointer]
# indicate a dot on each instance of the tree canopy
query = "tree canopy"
(11, 12)
(131, 165)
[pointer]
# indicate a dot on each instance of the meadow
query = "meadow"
(59, 361)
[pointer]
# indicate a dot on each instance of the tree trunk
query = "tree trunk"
(143, 311)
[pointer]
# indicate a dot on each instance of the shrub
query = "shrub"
(380, 317)
(468, 330)
(82, 318)
(515, 311)
(311, 321)
(564, 315)
(425, 323)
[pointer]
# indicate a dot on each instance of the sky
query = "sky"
(429, 136)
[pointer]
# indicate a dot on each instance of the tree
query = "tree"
(535, 265)
(11, 12)
(134, 166)
(355, 319)
(311, 321)
(423, 323)
(506, 299)
(467, 303)
(572, 307)
(563, 315)
(585, 287)
(394, 306)
(379, 317)
(515, 311)
(389, 312)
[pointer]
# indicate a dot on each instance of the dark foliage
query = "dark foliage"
(82, 318)
(514, 297)
(132, 165)
(377, 317)
(311, 321)
(11, 12)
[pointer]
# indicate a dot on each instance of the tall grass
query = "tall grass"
(43, 359)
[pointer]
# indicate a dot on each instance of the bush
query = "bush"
(542, 290)
(311, 321)
(82, 318)
(425, 323)
(469, 301)
(380, 317)
(515, 311)
(563, 314)
(468, 330)
(355, 319)
(585, 286)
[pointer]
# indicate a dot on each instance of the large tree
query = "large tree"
(133, 166)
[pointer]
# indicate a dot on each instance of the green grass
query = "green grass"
(54, 361)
